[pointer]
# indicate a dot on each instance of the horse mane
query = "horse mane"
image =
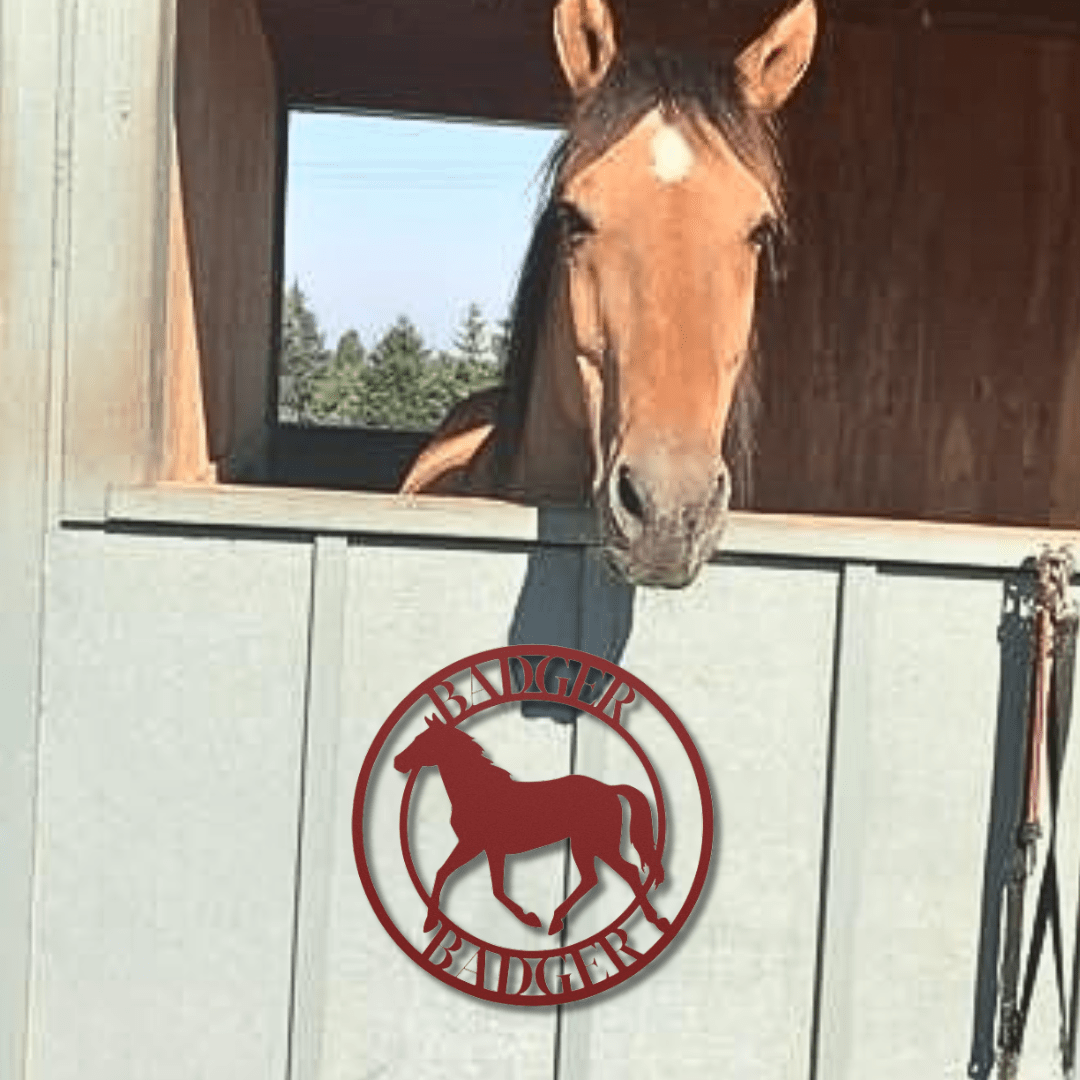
(472, 749)
(694, 83)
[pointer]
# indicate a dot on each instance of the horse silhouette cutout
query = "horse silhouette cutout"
(492, 812)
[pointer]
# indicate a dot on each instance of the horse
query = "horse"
(496, 814)
(632, 322)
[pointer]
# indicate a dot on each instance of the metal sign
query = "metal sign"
(413, 838)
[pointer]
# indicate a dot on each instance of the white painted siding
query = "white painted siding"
(167, 820)
(210, 694)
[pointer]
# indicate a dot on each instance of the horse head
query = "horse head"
(663, 233)
(633, 319)
(425, 749)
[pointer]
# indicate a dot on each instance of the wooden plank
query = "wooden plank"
(495, 61)
(880, 540)
(35, 54)
(410, 612)
(457, 58)
(169, 805)
(745, 660)
(921, 360)
(778, 536)
(186, 450)
(116, 261)
(1003, 16)
(912, 805)
(352, 459)
(323, 511)
(221, 244)
(844, 827)
(329, 600)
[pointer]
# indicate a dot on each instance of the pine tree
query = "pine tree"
(500, 343)
(398, 384)
(471, 341)
(475, 365)
(350, 350)
(396, 380)
(303, 357)
(339, 392)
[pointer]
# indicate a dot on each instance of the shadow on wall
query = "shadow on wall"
(1016, 637)
(570, 598)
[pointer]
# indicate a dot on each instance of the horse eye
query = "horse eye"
(573, 224)
(765, 234)
(766, 238)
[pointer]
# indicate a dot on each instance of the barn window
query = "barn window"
(257, 84)
(402, 238)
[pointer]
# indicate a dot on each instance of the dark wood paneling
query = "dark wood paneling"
(494, 58)
(490, 59)
(479, 58)
(222, 241)
(1010, 16)
(348, 458)
(924, 358)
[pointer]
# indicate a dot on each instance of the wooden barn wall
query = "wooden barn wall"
(484, 58)
(221, 232)
(31, 35)
(217, 661)
(923, 356)
(922, 359)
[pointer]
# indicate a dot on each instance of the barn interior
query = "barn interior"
(921, 358)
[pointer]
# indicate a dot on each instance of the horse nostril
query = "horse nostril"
(628, 495)
(723, 485)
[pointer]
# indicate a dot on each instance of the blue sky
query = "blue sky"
(390, 216)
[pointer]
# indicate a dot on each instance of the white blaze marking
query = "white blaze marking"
(672, 158)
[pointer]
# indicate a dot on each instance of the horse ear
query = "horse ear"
(771, 67)
(585, 42)
(430, 721)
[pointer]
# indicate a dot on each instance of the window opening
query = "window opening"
(402, 241)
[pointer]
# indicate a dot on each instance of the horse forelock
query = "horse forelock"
(685, 84)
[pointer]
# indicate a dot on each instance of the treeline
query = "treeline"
(399, 383)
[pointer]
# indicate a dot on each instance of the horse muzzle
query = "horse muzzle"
(662, 515)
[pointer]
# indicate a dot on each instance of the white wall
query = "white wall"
(210, 693)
